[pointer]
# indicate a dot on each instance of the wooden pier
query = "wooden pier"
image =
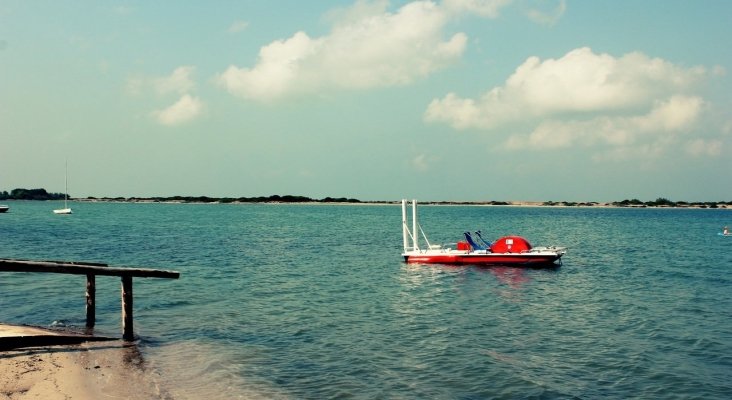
(91, 270)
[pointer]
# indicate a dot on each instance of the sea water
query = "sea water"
(280, 301)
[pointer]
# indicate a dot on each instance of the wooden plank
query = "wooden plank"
(61, 267)
(91, 270)
(127, 327)
(91, 289)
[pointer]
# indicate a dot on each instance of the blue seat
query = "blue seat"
(485, 242)
(472, 243)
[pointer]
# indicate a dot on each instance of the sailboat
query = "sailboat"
(66, 209)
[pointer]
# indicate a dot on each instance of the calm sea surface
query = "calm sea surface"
(314, 301)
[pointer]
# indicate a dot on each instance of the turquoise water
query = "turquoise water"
(314, 302)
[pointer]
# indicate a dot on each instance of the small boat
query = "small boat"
(66, 209)
(63, 211)
(4, 208)
(474, 250)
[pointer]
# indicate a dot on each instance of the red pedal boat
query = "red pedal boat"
(508, 250)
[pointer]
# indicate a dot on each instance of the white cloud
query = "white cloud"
(703, 148)
(547, 17)
(179, 81)
(665, 120)
(579, 82)
(675, 114)
(279, 64)
(389, 49)
(632, 106)
(420, 163)
(727, 127)
(647, 153)
(368, 47)
(238, 26)
(184, 110)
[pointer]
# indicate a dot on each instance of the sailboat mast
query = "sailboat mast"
(66, 184)
(405, 230)
(415, 225)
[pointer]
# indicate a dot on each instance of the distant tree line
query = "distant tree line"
(570, 203)
(457, 203)
(663, 202)
(659, 202)
(30, 194)
(258, 199)
(41, 194)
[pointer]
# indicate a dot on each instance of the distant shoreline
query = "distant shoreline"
(558, 204)
(42, 195)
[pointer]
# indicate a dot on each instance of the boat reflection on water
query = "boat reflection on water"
(419, 274)
(511, 276)
(511, 281)
(516, 277)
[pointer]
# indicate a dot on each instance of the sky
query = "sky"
(462, 100)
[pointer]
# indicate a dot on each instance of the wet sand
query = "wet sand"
(87, 371)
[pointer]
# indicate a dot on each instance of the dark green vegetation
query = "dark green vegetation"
(41, 194)
(659, 202)
(206, 199)
(30, 194)
(662, 202)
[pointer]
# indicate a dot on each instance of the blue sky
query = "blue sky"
(438, 100)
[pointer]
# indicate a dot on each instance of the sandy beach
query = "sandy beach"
(92, 370)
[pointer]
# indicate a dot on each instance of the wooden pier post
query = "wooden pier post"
(127, 328)
(91, 289)
(91, 270)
